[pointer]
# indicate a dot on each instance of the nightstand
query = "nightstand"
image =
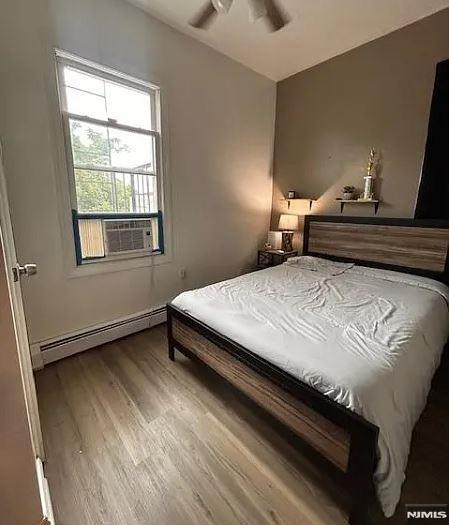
(267, 258)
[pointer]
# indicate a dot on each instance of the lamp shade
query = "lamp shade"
(288, 222)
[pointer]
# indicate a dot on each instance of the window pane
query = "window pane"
(90, 145)
(96, 97)
(144, 192)
(94, 191)
(96, 145)
(86, 104)
(128, 106)
(99, 192)
(131, 150)
(81, 80)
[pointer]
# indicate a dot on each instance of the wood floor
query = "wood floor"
(132, 438)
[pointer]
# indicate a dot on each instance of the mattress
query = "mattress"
(369, 339)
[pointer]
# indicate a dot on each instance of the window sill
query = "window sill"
(102, 266)
(126, 256)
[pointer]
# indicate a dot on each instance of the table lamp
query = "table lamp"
(288, 224)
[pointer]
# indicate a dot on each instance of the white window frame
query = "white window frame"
(64, 59)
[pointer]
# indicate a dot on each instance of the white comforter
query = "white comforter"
(369, 339)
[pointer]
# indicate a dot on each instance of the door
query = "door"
(15, 349)
(14, 273)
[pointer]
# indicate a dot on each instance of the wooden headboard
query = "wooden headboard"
(407, 245)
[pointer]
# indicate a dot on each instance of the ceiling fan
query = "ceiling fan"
(267, 9)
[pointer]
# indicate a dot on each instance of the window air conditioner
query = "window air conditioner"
(125, 235)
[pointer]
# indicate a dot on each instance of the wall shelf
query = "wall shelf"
(372, 202)
(309, 200)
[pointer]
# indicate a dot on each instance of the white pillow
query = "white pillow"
(316, 264)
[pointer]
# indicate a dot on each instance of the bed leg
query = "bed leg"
(171, 346)
(362, 459)
(361, 495)
(359, 515)
(171, 351)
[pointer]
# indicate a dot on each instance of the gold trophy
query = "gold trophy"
(368, 194)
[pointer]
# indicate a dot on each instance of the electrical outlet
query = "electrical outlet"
(182, 273)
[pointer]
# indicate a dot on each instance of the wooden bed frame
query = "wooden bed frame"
(346, 440)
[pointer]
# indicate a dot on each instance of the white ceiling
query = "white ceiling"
(319, 29)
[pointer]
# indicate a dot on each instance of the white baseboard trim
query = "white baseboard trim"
(36, 356)
(45, 352)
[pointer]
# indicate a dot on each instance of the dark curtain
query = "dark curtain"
(433, 193)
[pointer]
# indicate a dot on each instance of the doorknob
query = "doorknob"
(26, 269)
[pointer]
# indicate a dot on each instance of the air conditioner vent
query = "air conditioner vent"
(128, 236)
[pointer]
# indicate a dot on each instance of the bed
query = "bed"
(340, 345)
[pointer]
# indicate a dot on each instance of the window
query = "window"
(112, 133)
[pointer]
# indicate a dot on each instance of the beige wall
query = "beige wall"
(329, 117)
(19, 491)
(219, 119)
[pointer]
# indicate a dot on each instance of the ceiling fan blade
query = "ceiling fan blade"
(204, 17)
(257, 9)
(275, 15)
(222, 6)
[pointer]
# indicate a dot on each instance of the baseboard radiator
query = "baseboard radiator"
(46, 352)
